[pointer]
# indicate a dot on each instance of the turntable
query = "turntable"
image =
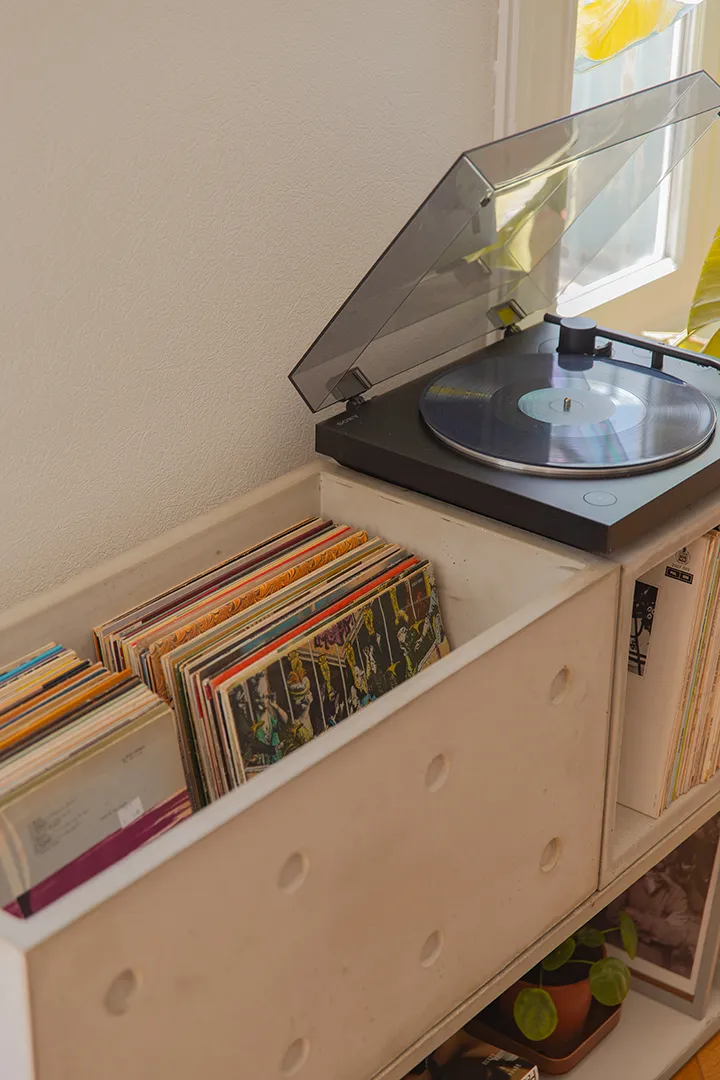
(575, 432)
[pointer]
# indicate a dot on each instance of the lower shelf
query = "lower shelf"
(651, 1042)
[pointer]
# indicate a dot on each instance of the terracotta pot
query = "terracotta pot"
(572, 1001)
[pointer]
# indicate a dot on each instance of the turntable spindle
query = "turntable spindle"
(566, 404)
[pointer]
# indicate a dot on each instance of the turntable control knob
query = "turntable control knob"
(577, 336)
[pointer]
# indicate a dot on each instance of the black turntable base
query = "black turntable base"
(516, 435)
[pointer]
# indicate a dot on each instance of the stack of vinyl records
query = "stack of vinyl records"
(269, 649)
(89, 771)
(671, 735)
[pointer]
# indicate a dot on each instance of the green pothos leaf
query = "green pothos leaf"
(629, 935)
(590, 937)
(560, 955)
(609, 981)
(535, 1014)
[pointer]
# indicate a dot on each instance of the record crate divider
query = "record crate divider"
(349, 908)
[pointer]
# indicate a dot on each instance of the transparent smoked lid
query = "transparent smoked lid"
(510, 227)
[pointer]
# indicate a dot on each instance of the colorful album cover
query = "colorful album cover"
(244, 598)
(109, 649)
(206, 653)
(347, 663)
(216, 770)
(214, 603)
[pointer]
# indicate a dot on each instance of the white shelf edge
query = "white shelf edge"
(651, 1042)
(636, 835)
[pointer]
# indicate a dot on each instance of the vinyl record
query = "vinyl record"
(584, 418)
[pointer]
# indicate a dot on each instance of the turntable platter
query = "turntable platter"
(584, 417)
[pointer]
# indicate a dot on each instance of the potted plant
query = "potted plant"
(551, 1004)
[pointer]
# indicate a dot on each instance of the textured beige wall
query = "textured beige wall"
(188, 191)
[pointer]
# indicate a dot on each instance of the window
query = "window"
(649, 247)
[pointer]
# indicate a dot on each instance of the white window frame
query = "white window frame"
(534, 77)
(535, 58)
(674, 199)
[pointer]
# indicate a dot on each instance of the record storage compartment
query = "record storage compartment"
(631, 839)
(320, 919)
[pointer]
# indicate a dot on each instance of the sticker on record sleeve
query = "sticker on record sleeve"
(641, 626)
(130, 812)
(678, 569)
(679, 575)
